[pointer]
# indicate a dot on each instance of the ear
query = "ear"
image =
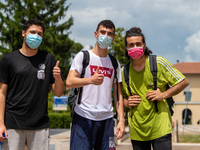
(126, 49)
(95, 34)
(23, 33)
(144, 45)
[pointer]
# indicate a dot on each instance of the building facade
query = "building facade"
(188, 112)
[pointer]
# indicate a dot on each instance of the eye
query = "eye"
(103, 32)
(110, 34)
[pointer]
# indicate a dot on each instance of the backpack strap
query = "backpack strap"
(115, 66)
(86, 59)
(126, 77)
(153, 67)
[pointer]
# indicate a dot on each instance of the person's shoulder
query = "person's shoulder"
(45, 53)
(10, 55)
(161, 60)
(80, 54)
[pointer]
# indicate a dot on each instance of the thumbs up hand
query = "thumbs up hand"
(56, 71)
(97, 79)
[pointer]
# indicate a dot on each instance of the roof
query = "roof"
(188, 67)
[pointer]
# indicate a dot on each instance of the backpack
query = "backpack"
(74, 92)
(153, 68)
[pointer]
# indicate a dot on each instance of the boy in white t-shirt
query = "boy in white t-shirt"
(92, 125)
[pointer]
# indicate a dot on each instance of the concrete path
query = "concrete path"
(61, 141)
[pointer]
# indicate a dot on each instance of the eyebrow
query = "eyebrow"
(136, 43)
(35, 31)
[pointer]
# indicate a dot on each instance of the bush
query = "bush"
(60, 120)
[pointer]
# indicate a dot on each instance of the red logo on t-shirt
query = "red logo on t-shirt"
(107, 72)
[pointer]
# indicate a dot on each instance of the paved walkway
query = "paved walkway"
(61, 142)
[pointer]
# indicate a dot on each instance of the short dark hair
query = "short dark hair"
(33, 22)
(107, 24)
(135, 31)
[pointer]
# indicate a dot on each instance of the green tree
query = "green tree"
(14, 13)
(118, 46)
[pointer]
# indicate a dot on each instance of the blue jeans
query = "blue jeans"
(162, 143)
(88, 134)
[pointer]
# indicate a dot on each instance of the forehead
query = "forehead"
(35, 28)
(101, 27)
(134, 39)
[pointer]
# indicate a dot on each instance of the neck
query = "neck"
(139, 64)
(25, 50)
(140, 61)
(98, 51)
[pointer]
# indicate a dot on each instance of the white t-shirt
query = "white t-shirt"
(96, 102)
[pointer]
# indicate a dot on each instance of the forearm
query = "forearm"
(58, 87)
(3, 91)
(2, 109)
(77, 82)
(119, 104)
(126, 103)
(175, 89)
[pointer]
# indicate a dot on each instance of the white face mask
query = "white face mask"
(104, 41)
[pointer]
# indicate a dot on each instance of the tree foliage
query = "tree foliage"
(118, 46)
(14, 13)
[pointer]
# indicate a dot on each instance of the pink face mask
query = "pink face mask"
(136, 53)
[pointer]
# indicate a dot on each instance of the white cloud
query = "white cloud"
(166, 24)
(193, 47)
(193, 44)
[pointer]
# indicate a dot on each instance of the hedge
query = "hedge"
(60, 120)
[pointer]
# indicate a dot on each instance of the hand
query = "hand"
(56, 71)
(120, 130)
(3, 130)
(155, 95)
(134, 100)
(97, 79)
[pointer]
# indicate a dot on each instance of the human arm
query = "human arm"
(58, 86)
(3, 90)
(120, 111)
(158, 95)
(73, 79)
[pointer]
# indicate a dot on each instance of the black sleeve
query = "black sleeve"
(4, 70)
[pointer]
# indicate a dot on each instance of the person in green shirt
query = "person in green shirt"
(146, 126)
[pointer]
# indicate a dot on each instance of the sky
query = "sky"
(171, 27)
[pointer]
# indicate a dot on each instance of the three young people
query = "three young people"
(24, 106)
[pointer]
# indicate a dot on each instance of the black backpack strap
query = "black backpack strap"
(115, 66)
(170, 102)
(86, 59)
(126, 77)
(153, 67)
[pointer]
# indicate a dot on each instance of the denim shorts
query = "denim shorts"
(88, 134)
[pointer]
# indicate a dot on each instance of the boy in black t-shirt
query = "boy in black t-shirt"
(25, 77)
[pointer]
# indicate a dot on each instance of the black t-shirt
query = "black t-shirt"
(28, 80)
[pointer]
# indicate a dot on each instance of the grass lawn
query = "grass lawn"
(188, 138)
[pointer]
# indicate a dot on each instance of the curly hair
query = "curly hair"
(135, 31)
(33, 22)
(107, 24)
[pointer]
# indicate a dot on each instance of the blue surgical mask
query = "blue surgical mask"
(33, 40)
(104, 41)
